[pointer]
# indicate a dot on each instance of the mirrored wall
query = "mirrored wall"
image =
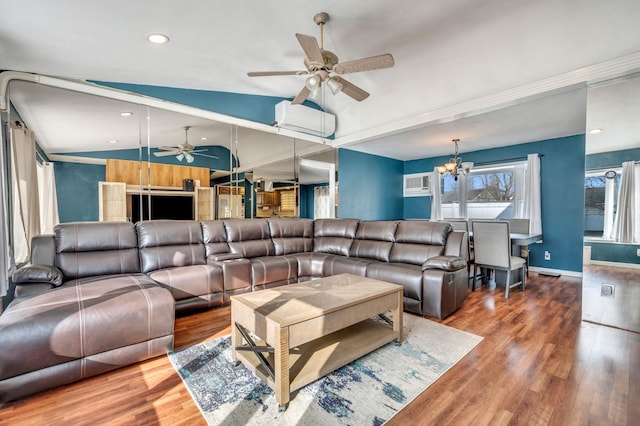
(117, 159)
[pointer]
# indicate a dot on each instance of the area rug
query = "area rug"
(368, 391)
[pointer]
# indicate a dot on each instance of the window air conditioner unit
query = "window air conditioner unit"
(303, 119)
(417, 185)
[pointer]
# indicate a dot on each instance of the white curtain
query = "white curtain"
(24, 178)
(5, 253)
(48, 199)
(436, 199)
(625, 227)
(321, 202)
(532, 204)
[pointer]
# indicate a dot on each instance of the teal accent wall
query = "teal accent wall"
(562, 187)
(613, 252)
(611, 159)
(260, 109)
(370, 186)
(77, 190)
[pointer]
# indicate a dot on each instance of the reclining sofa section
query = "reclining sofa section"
(101, 295)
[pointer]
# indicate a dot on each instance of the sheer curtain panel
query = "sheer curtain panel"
(24, 178)
(321, 202)
(532, 204)
(625, 226)
(436, 199)
(47, 198)
(5, 250)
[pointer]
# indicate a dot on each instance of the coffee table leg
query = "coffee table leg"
(281, 357)
(236, 340)
(397, 317)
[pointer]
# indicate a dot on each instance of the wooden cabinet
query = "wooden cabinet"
(112, 201)
(204, 203)
(161, 174)
(117, 200)
(268, 198)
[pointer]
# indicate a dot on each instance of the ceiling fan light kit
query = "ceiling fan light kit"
(320, 63)
(182, 151)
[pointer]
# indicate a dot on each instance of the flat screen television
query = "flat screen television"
(162, 207)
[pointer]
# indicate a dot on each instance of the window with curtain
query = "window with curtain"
(321, 202)
(491, 192)
(600, 202)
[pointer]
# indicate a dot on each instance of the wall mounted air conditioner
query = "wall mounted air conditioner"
(303, 119)
(417, 185)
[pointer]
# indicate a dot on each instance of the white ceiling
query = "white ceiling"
(491, 73)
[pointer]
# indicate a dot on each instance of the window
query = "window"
(493, 192)
(600, 202)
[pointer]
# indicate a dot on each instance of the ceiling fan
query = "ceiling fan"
(184, 150)
(321, 64)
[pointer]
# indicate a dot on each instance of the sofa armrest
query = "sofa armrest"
(445, 263)
(38, 274)
(220, 257)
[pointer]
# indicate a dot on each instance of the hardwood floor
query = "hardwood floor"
(538, 364)
(622, 308)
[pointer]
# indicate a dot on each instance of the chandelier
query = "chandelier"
(455, 166)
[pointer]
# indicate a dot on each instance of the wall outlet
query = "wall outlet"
(547, 255)
(607, 290)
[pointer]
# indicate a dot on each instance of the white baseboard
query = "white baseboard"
(555, 271)
(614, 264)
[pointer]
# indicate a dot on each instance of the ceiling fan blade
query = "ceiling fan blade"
(165, 153)
(205, 155)
(168, 148)
(272, 73)
(352, 90)
(311, 49)
(300, 97)
(365, 64)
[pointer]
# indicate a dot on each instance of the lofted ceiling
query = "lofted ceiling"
(491, 73)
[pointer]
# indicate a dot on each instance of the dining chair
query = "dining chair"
(459, 224)
(521, 226)
(492, 247)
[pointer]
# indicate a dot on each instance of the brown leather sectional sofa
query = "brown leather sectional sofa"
(101, 295)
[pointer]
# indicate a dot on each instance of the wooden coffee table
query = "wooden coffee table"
(292, 335)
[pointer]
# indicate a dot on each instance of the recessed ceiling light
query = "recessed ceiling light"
(204, 138)
(126, 114)
(112, 141)
(595, 131)
(158, 38)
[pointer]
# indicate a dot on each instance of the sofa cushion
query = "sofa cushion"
(190, 281)
(250, 238)
(419, 240)
(310, 264)
(84, 317)
(96, 248)
(374, 240)
(409, 276)
(334, 265)
(291, 235)
(214, 237)
(170, 243)
(270, 269)
(334, 236)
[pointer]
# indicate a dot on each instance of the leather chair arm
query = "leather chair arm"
(38, 274)
(445, 263)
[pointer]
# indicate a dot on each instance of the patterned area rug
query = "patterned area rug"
(369, 391)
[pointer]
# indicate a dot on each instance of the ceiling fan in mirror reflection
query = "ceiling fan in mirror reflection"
(183, 151)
